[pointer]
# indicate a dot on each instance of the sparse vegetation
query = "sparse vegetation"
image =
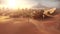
(30, 13)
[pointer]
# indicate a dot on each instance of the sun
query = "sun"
(11, 3)
(17, 4)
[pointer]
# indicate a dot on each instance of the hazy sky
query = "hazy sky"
(46, 3)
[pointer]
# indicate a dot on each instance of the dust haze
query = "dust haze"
(33, 20)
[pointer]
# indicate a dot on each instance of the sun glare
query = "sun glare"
(17, 4)
(11, 3)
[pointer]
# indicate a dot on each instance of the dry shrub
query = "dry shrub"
(15, 15)
(37, 14)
